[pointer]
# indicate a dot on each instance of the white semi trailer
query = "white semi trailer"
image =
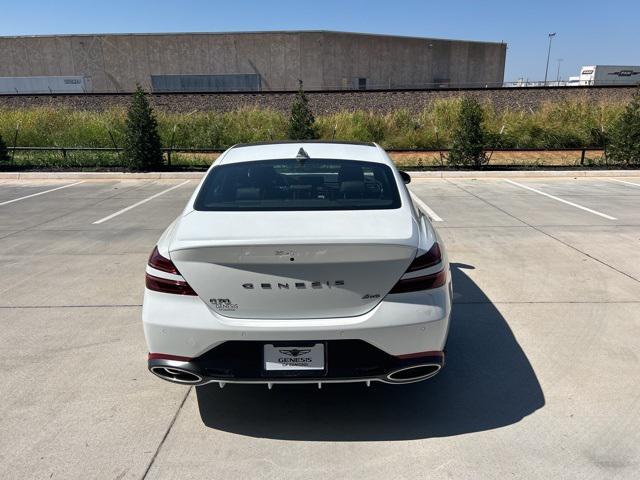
(49, 84)
(609, 75)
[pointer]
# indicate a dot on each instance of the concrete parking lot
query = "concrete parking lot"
(542, 375)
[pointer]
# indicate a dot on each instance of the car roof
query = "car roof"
(369, 152)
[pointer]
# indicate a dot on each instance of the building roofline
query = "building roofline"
(250, 32)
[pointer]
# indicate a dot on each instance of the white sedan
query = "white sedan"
(301, 262)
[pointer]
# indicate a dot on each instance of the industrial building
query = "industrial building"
(247, 61)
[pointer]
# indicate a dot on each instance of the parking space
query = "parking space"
(542, 361)
(555, 202)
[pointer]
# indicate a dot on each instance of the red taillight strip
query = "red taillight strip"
(164, 356)
(165, 285)
(161, 263)
(425, 282)
(434, 353)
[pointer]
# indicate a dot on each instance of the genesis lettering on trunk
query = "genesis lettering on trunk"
(292, 285)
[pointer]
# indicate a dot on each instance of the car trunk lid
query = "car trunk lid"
(293, 265)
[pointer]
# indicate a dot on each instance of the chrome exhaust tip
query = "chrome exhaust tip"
(414, 373)
(176, 375)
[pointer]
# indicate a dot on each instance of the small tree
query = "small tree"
(469, 136)
(301, 122)
(142, 149)
(4, 153)
(624, 146)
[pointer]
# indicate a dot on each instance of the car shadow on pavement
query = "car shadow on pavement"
(487, 383)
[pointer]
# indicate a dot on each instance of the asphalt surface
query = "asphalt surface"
(542, 375)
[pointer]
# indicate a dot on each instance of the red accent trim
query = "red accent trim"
(434, 353)
(425, 282)
(164, 356)
(161, 263)
(166, 285)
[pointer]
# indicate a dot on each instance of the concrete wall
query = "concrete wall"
(394, 62)
(323, 60)
(329, 102)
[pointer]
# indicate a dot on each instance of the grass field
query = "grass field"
(561, 125)
(554, 125)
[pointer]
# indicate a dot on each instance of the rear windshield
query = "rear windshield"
(291, 184)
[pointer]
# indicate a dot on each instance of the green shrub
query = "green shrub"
(141, 148)
(625, 134)
(301, 122)
(469, 137)
(4, 153)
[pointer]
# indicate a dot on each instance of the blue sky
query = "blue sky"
(589, 32)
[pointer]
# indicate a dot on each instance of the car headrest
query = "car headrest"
(247, 193)
(352, 188)
(350, 173)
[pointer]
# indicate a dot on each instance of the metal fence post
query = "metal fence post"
(173, 136)
(114, 143)
(435, 128)
(15, 141)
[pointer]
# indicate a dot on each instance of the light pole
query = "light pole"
(546, 71)
(560, 60)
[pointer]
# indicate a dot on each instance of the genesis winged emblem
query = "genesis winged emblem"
(294, 352)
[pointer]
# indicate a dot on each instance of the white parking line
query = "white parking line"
(131, 207)
(425, 208)
(624, 181)
(595, 212)
(40, 193)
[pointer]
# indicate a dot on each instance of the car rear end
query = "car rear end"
(298, 263)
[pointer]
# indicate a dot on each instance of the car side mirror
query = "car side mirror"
(406, 178)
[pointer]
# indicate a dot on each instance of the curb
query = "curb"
(416, 175)
(100, 175)
(525, 173)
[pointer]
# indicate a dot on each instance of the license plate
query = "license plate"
(294, 358)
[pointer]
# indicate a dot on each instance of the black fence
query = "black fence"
(101, 157)
(198, 159)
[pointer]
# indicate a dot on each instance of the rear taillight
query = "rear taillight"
(175, 285)
(423, 282)
(166, 285)
(161, 263)
(429, 259)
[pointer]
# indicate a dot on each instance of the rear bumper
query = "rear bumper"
(182, 332)
(346, 360)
